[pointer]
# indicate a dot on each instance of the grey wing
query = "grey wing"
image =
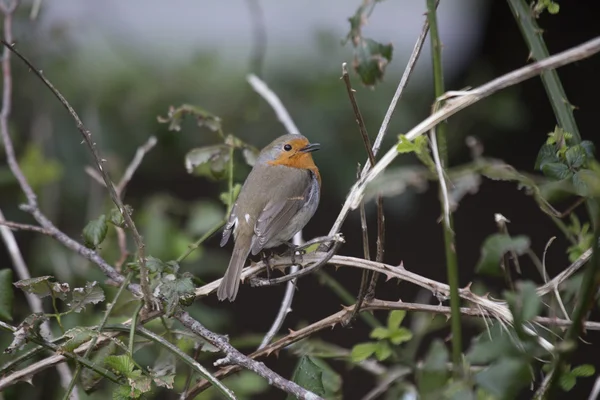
(277, 215)
(229, 226)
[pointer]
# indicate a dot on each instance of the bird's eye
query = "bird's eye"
(287, 147)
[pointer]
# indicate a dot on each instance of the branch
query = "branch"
(23, 227)
(149, 301)
(465, 99)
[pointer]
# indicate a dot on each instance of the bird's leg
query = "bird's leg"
(265, 259)
(295, 251)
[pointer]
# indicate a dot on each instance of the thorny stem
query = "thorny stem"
(449, 244)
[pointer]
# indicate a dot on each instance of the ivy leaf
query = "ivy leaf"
(6, 294)
(505, 378)
(94, 232)
(90, 294)
(26, 329)
(494, 248)
(557, 171)
(210, 161)
(203, 118)
(434, 373)
(362, 351)
(122, 365)
(40, 286)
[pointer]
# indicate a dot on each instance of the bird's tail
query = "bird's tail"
(231, 281)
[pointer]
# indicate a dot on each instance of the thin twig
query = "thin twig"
(149, 300)
(284, 117)
(386, 119)
(135, 164)
(24, 227)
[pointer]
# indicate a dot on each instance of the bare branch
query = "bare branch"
(23, 227)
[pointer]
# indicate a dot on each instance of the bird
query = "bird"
(278, 198)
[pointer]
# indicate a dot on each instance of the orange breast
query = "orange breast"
(300, 161)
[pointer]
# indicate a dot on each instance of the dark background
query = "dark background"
(121, 110)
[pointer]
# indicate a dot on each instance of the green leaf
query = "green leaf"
(28, 328)
(308, 375)
(176, 290)
(380, 333)
(90, 294)
(203, 118)
(400, 336)
(490, 345)
(156, 265)
(116, 218)
(6, 294)
(557, 171)
(553, 8)
(90, 378)
(250, 155)
(494, 248)
(122, 365)
(525, 304)
(546, 155)
(60, 290)
(589, 149)
(576, 156)
(40, 286)
(407, 146)
(332, 381)
(395, 318)
(370, 60)
(587, 183)
(567, 381)
(225, 197)
(210, 161)
(434, 374)
(76, 337)
(142, 383)
(363, 351)
(505, 378)
(383, 351)
(94, 232)
(583, 370)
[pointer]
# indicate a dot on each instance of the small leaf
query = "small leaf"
(95, 232)
(175, 290)
(505, 378)
(494, 248)
(60, 290)
(567, 382)
(576, 156)
(587, 183)
(400, 336)
(383, 351)
(370, 60)
(165, 381)
(395, 318)
(77, 336)
(225, 196)
(142, 383)
(250, 155)
(203, 117)
(379, 333)
(90, 294)
(116, 218)
(210, 161)
(546, 155)
(583, 370)
(363, 351)
(6, 294)
(589, 149)
(40, 286)
(122, 365)
(525, 305)
(26, 329)
(556, 171)
(308, 375)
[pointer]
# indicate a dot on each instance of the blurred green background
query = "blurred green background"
(123, 65)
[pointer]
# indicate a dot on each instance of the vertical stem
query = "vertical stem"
(451, 259)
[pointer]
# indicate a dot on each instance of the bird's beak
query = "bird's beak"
(310, 148)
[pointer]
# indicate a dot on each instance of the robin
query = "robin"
(279, 197)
